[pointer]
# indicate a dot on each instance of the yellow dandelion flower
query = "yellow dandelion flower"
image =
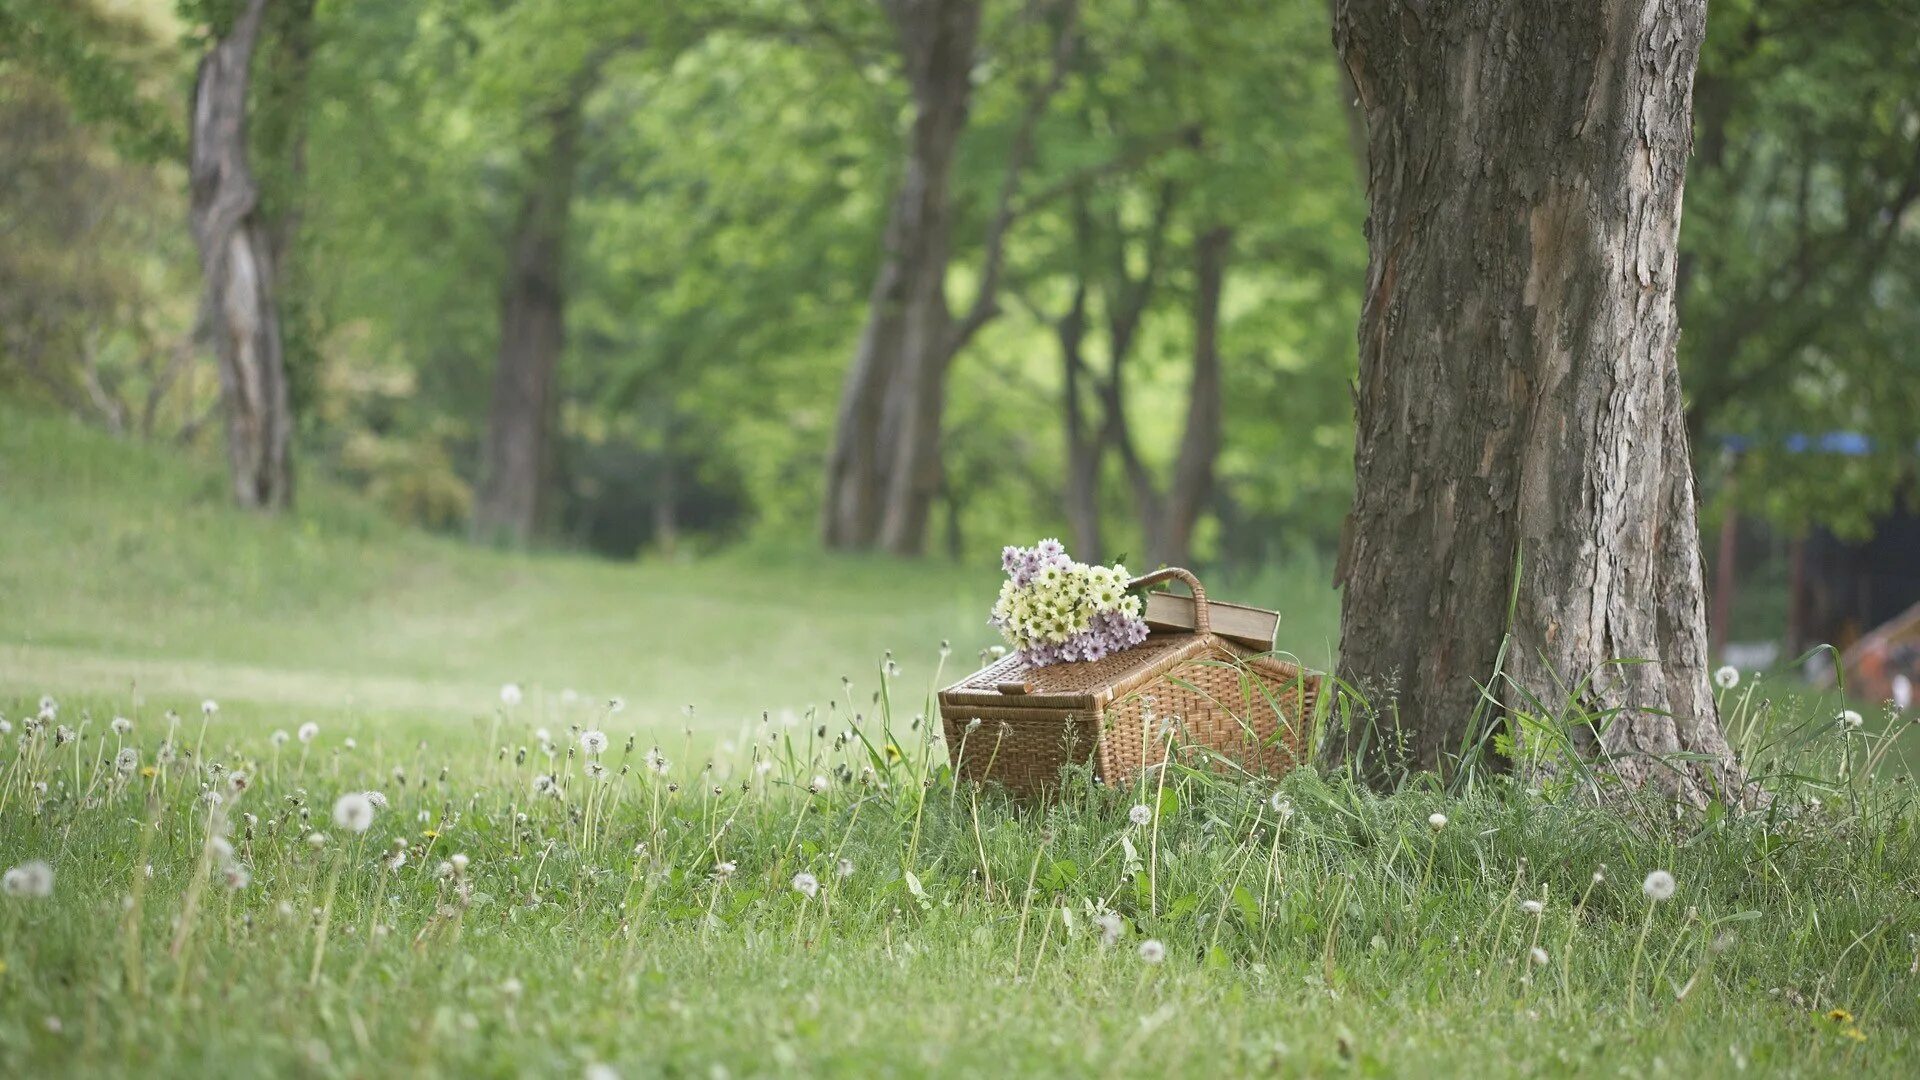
(1854, 1033)
(1840, 1016)
(149, 772)
(430, 833)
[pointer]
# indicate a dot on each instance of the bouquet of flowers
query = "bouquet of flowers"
(1052, 609)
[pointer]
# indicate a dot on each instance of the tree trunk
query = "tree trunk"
(1171, 537)
(1081, 499)
(517, 460)
(1520, 434)
(887, 434)
(239, 306)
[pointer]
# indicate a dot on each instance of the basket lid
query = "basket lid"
(1080, 684)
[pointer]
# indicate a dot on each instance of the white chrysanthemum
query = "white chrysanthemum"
(1727, 677)
(32, 880)
(1140, 815)
(127, 760)
(510, 694)
(806, 884)
(120, 725)
(1532, 907)
(353, 812)
(308, 731)
(1152, 951)
(593, 740)
(1437, 821)
(1658, 886)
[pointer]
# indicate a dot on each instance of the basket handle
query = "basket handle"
(1201, 623)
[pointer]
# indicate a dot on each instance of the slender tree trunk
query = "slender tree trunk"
(1081, 499)
(1520, 433)
(887, 434)
(1192, 486)
(239, 306)
(517, 461)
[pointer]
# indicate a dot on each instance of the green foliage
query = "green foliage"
(1799, 256)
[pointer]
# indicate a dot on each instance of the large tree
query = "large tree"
(1524, 517)
(238, 257)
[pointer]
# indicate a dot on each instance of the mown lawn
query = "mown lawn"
(652, 920)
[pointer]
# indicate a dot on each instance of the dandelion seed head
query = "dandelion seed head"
(127, 760)
(1658, 886)
(1152, 951)
(30, 880)
(1532, 907)
(1851, 720)
(353, 812)
(817, 785)
(1437, 821)
(308, 731)
(1727, 677)
(843, 869)
(593, 740)
(510, 694)
(120, 725)
(806, 884)
(378, 799)
(1140, 815)
(1538, 956)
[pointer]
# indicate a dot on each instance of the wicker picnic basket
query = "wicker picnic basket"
(1180, 690)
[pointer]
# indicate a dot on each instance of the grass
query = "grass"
(1309, 927)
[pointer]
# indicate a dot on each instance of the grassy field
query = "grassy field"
(810, 894)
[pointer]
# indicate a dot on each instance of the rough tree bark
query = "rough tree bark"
(517, 462)
(239, 308)
(1520, 427)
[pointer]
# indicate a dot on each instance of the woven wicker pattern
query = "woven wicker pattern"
(1024, 749)
(1252, 713)
(1087, 677)
(1206, 698)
